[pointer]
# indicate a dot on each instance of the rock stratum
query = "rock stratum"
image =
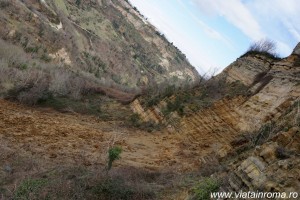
(257, 134)
(83, 64)
(254, 137)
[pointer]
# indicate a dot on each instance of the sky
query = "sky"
(214, 33)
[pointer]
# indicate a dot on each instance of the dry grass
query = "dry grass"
(69, 182)
(30, 80)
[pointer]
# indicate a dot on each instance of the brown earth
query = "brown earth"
(52, 138)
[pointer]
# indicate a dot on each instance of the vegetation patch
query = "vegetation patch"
(204, 188)
(263, 47)
(136, 121)
(113, 154)
(114, 189)
(29, 189)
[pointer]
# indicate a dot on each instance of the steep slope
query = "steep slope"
(215, 132)
(246, 118)
(256, 137)
(241, 139)
(273, 86)
(102, 44)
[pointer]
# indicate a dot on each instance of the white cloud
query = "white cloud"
(274, 19)
(212, 33)
(294, 31)
(281, 19)
(284, 49)
(235, 12)
(277, 20)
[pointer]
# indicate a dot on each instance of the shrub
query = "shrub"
(149, 126)
(23, 66)
(30, 88)
(29, 188)
(46, 57)
(176, 105)
(152, 101)
(113, 189)
(265, 47)
(113, 154)
(135, 120)
(204, 188)
(32, 49)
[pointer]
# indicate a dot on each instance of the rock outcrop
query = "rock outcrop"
(229, 126)
(245, 69)
(297, 49)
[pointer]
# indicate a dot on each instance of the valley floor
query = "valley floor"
(52, 138)
(36, 140)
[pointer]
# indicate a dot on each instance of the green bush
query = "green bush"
(31, 49)
(204, 188)
(113, 189)
(113, 154)
(152, 101)
(29, 188)
(23, 66)
(135, 120)
(45, 58)
(149, 126)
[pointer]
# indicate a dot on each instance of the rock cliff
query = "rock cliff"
(257, 134)
(241, 127)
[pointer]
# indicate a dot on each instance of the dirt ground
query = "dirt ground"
(51, 138)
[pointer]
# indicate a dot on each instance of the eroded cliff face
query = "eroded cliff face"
(273, 165)
(275, 91)
(246, 68)
(234, 125)
(253, 138)
(107, 43)
(114, 51)
(273, 86)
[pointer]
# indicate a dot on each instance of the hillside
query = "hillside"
(76, 47)
(241, 140)
(243, 126)
(78, 78)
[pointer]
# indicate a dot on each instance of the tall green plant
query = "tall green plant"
(113, 154)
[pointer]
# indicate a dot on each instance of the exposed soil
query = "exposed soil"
(51, 138)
